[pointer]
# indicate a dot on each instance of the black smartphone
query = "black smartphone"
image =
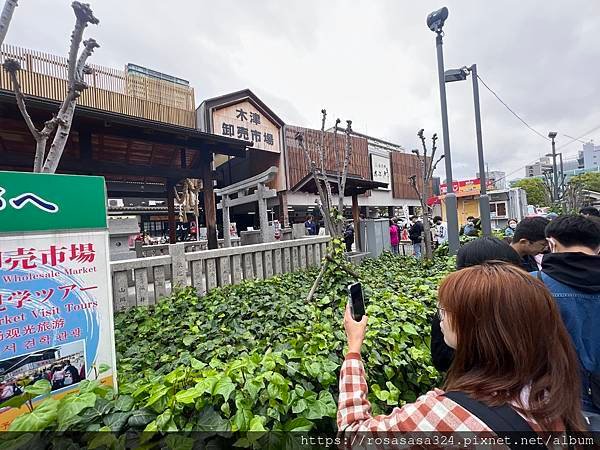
(357, 301)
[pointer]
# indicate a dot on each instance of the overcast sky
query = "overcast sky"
(370, 61)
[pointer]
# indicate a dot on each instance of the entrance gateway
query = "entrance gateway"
(55, 297)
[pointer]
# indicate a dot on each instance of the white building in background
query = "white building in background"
(497, 177)
(537, 169)
(591, 156)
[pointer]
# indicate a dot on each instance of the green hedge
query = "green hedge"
(256, 356)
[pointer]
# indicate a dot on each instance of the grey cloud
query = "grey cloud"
(373, 62)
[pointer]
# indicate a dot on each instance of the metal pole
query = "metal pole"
(484, 199)
(554, 171)
(451, 205)
(562, 184)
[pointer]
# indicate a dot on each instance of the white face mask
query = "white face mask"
(513, 225)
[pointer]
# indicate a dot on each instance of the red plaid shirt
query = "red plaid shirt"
(431, 412)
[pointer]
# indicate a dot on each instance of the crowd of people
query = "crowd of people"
(515, 335)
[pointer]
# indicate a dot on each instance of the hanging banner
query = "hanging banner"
(56, 314)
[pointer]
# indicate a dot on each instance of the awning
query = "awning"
(354, 185)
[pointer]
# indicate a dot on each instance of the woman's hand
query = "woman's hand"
(355, 331)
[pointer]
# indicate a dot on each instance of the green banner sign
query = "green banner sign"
(45, 202)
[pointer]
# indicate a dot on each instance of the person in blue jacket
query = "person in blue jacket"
(572, 273)
(311, 226)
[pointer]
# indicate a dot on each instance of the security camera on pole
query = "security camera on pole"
(435, 22)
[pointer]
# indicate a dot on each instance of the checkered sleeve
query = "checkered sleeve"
(430, 412)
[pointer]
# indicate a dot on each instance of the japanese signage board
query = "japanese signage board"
(56, 318)
(381, 171)
(244, 121)
(465, 187)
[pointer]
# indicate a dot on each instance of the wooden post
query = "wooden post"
(356, 219)
(171, 211)
(262, 214)
(210, 209)
(283, 209)
(226, 221)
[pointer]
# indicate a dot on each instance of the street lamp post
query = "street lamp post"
(561, 183)
(552, 135)
(484, 200)
(435, 22)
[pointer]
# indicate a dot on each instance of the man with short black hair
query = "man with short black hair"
(416, 235)
(589, 211)
(572, 273)
(530, 240)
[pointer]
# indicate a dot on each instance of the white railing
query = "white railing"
(142, 281)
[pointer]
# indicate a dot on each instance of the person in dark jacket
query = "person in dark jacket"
(471, 254)
(349, 236)
(529, 240)
(310, 225)
(572, 273)
(416, 235)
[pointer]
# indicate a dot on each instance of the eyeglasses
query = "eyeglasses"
(441, 312)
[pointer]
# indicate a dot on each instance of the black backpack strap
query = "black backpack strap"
(504, 421)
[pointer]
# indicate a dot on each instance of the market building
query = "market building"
(244, 115)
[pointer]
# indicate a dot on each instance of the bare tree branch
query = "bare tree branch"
(322, 157)
(88, 49)
(6, 17)
(347, 156)
(313, 169)
(12, 66)
(75, 83)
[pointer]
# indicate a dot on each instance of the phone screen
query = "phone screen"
(357, 302)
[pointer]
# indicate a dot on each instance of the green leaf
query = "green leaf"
(210, 420)
(158, 394)
(116, 421)
(165, 423)
(253, 386)
(102, 439)
(188, 396)
(39, 419)
(298, 424)
(197, 365)
(189, 339)
(409, 328)
(207, 385)
(16, 402)
(141, 418)
(124, 403)
(103, 368)
(224, 387)
(40, 387)
(299, 406)
(71, 406)
(177, 442)
(257, 429)
(241, 419)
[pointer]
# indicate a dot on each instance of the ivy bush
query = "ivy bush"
(254, 357)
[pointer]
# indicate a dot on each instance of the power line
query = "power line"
(579, 137)
(511, 110)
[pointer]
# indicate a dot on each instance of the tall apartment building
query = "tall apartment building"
(537, 169)
(591, 156)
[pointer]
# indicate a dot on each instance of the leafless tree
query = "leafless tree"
(189, 201)
(427, 166)
(6, 17)
(333, 216)
(59, 124)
